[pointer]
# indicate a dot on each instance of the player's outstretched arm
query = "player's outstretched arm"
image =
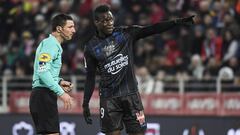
(144, 31)
(187, 21)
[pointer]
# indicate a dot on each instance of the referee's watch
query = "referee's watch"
(61, 79)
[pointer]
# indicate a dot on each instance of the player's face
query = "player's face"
(68, 30)
(105, 23)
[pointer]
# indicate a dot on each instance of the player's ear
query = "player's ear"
(96, 22)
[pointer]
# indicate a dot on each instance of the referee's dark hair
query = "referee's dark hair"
(60, 20)
(99, 10)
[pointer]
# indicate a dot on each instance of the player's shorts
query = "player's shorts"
(122, 111)
(44, 111)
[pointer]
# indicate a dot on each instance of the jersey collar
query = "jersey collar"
(54, 38)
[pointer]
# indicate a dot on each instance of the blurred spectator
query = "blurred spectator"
(233, 63)
(204, 6)
(212, 46)
(173, 55)
(171, 9)
(185, 45)
(20, 71)
(78, 66)
(118, 11)
(65, 6)
(197, 40)
(27, 43)
(157, 12)
(64, 70)
(144, 19)
(128, 19)
(136, 9)
(230, 46)
(145, 81)
(226, 73)
(216, 39)
(212, 68)
(237, 10)
(196, 67)
(41, 25)
(159, 85)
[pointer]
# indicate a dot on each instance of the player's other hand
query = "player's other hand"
(86, 113)
(67, 100)
(66, 85)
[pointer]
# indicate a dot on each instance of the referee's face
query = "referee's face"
(68, 30)
(105, 23)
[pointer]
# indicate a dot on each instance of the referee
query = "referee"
(47, 86)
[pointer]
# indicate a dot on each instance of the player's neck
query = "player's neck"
(58, 37)
(101, 34)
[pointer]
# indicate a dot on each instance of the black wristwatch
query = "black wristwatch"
(61, 79)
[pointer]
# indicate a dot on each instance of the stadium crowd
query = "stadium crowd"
(198, 52)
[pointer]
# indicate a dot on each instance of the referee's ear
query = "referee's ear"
(59, 29)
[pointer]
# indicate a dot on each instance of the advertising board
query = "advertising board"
(73, 124)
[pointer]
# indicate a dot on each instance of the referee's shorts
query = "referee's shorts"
(44, 111)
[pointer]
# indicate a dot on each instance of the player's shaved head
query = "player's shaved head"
(99, 10)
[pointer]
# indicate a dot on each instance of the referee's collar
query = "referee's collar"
(54, 38)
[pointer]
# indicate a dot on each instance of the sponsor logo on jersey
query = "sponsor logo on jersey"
(116, 64)
(44, 57)
(140, 117)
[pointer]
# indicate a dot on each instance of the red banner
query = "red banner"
(201, 104)
(163, 104)
(230, 104)
(167, 104)
(77, 104)
(19, 101)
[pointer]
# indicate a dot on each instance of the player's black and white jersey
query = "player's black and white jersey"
(112, 56)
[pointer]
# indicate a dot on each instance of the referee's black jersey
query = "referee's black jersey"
(113, 57)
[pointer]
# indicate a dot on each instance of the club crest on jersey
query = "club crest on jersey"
(109, 49)
(44, 57)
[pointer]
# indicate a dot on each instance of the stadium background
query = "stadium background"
(188, 77)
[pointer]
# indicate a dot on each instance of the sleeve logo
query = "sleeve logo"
(44, 57)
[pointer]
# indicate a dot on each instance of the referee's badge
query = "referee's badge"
(42, 66)
(44, 57)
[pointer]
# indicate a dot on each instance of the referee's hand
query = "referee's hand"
(67, 100)
(66, 85)
(87, 114)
